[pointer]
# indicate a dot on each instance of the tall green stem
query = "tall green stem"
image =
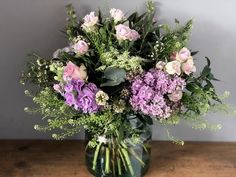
(96, 156)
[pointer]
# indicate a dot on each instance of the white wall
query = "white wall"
(27, 25)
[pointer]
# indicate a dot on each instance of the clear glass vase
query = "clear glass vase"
(123, 159)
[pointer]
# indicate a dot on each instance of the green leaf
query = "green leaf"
(114, 76)
(205, 72)
(176, 21)
(194, 53)
(212, 77)
(192, 87)
(208, 61)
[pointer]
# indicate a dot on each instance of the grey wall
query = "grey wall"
(27, 25)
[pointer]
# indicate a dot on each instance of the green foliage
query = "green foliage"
(57, 68)
(169, 41)
(71, 29)
(37, 72)
(124, 61)
(59, 116)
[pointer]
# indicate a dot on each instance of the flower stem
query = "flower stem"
(122, 158)
(107, 165)
(119, 165)
(127, 159)
(96, 155)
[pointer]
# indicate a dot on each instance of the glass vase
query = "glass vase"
(121, 157)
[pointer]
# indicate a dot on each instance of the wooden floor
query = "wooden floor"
(66, 159)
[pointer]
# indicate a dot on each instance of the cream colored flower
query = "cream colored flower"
(101, 98)
(173, 67)
(160, 65)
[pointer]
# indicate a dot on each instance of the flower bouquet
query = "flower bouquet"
(118, 76)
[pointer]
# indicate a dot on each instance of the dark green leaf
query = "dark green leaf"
(192, 87)
(212, 77)
(194, 53)
(176, 21)
(208, 61)
(205, 72)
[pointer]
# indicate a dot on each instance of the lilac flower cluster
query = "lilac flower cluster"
(81, 96)
(150, 92)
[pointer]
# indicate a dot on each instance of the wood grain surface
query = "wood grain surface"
(66, 159)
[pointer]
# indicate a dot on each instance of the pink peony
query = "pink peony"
(72, 71)
(175, 96)
(89, 21)
(117, 14)
(188, 67)
(80, 47)
(123, 32)
(173, 67)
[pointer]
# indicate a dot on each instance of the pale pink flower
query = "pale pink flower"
(57, 53)
(57, 88)
(117, 14)
(134, 35)
(175, 96)
(73, 71)
(173, 67)
(80, 47)
(160, 65)
(183, 55)
(90, 20)
(123, 32)
(188, 67)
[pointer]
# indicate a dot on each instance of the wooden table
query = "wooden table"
(66, 159)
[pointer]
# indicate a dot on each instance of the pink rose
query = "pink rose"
(134, 35)
(80, 47)
(123, 32)
(175, 96)
(173, 67)
(89, 21)
(117, 14)
(174, 56)
(72, 71)
(188, 67)
(183, 54)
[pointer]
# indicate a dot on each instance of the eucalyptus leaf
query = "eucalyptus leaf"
(114, 76)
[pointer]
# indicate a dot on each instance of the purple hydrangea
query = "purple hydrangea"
(149, 92)
(81, 96)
